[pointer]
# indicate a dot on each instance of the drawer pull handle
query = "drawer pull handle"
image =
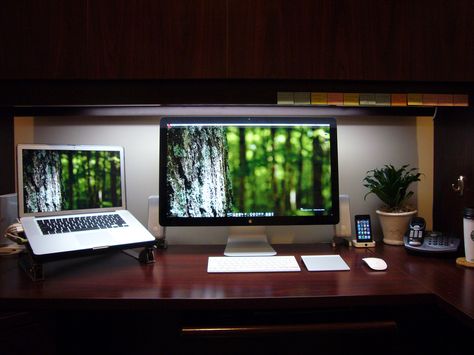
(249, 330)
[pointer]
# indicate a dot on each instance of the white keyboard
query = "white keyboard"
(217, 264)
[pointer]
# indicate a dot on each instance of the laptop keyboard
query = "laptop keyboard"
(82, 223)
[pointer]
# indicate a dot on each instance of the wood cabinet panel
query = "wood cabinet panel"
(403, 40)
(112, 39)
(42, 39)
(7, 153)
(351, 40)
(156, 39)
(454, 132)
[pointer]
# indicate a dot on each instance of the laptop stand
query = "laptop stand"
(30, 266)
(146, 255)
(35, 269)
(143, 255)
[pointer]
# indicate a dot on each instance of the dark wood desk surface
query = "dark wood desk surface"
(453, 285)
(179, 280)
(177, 299)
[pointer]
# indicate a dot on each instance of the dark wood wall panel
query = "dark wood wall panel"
(453, 156)
(42, 39)
(112, 39)
(7, 157)
(351, 40)
(156, 39)
(402, 40)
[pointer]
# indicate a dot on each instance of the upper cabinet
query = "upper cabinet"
(42, 39)
(352, 40)
(402, 40)
(112, 39)
(152, 39)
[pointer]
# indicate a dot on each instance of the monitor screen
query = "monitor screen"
(241, 171)
(56, 179)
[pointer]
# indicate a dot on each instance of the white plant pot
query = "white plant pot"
(394, 226)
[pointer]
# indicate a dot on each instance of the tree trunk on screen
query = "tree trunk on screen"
(317, 172)
(88, 178)
(42, 181)
(71, 181)
(299, 183)
(96, 201)
(243, 168)
(198, 172)
(276, 198)
(113, 182)
(287, 181)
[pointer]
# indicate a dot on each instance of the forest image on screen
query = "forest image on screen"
(248, 170)
(55, 180)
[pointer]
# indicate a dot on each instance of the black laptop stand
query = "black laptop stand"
(32, 267)
(35, 268)
(143, 255)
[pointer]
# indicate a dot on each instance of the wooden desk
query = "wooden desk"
(453, 285)
(177, 298)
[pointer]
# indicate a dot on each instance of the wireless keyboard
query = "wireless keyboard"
(218, 264)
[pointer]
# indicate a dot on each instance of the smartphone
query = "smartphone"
(363, 228)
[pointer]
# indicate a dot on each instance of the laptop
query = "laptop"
(71, 200)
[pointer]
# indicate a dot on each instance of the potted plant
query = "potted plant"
(391, 185)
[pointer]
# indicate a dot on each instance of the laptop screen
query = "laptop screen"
(59, 179)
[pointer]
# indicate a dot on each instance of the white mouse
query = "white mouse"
(375, 263)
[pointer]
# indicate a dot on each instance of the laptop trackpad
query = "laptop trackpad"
(95, 239)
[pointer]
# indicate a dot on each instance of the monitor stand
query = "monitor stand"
(248, 241)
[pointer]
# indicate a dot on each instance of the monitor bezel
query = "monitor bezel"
(167, 221)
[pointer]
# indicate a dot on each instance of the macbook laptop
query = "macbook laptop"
(71, 200)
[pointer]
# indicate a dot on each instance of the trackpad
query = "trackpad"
(95, 239)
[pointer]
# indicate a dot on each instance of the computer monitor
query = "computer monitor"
(248, 171)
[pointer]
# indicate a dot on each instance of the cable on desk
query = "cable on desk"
(14, 233)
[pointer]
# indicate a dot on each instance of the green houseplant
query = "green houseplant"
(391, 186)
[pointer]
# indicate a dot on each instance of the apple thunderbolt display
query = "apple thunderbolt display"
(248, 171)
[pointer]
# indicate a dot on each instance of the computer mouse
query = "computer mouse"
(375, 263)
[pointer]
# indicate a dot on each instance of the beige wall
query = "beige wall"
(425, 147)
(364, 143)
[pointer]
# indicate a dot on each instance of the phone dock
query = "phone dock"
(363, 244)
